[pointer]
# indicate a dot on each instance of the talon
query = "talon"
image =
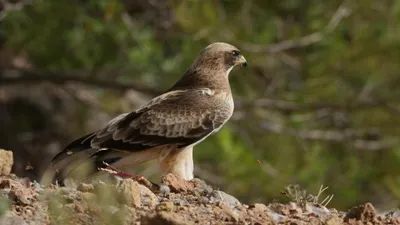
(140, 178)
(125, 175)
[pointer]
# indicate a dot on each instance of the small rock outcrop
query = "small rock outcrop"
(6, 162)
(174, 201)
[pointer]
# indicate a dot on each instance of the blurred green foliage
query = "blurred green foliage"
(317, 112)
(4, 205)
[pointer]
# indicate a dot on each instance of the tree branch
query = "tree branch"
(337, 17)
(12, 76)
(355, 137)
(288, 106)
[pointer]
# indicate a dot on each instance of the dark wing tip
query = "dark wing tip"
(74, 147)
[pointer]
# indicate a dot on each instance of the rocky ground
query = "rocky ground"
(173, 202)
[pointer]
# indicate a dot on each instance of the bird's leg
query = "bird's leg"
(178, 162)
(119, 173)
(140, 179)
(189, 166)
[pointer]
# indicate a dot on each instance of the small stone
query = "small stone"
(22, 195)
(164, 189)
(6, 162)
(204, 200)
(177, 184)
(395, 214)
(225, 211)
(279, 208)
(259, 208)
(147, 197)
(222, 196)
(164, 218)
(277, 218)
(201, 187)
(130, 193)
(182, 208)
(165, 206)
(321, 211)
(364, 213)
(85, 187)
(334, 220)
(28, 213)
(294, 209)
(182, 202)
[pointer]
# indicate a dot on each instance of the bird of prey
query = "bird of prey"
(166, 128)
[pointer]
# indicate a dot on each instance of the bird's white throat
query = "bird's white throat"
(229, 70)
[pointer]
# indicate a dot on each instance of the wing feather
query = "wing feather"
(180, 118)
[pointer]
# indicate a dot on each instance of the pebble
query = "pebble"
(165, 206)
(85, 187)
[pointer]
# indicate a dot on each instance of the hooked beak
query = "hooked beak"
(241, 61)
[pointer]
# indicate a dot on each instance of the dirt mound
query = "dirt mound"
(173, 202)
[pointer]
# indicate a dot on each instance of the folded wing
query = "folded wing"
(178, 118)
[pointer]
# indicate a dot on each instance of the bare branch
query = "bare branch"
(354, 137)
(337, 17)
(288, 106)
(10, 76)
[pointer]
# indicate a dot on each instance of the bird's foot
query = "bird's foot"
(124, 175)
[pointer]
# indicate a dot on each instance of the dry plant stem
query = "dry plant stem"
(321, 190)
(328, 198)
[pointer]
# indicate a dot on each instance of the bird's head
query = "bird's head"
(221, 56)
(212, 67)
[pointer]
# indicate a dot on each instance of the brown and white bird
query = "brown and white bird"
(167, 128)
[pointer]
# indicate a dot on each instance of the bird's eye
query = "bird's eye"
(235, 53)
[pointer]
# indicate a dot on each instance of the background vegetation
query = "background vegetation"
(319, 103)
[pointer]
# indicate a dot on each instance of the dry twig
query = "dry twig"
(10, 76)
(337, 17)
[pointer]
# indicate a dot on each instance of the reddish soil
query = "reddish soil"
(173, 202)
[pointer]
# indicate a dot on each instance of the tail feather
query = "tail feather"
(89, 166)
(74, 147)
(74, 154)
(59, 168)
(84, 163)
(81, 162)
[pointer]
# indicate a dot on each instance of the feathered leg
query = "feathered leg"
(178, 162)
